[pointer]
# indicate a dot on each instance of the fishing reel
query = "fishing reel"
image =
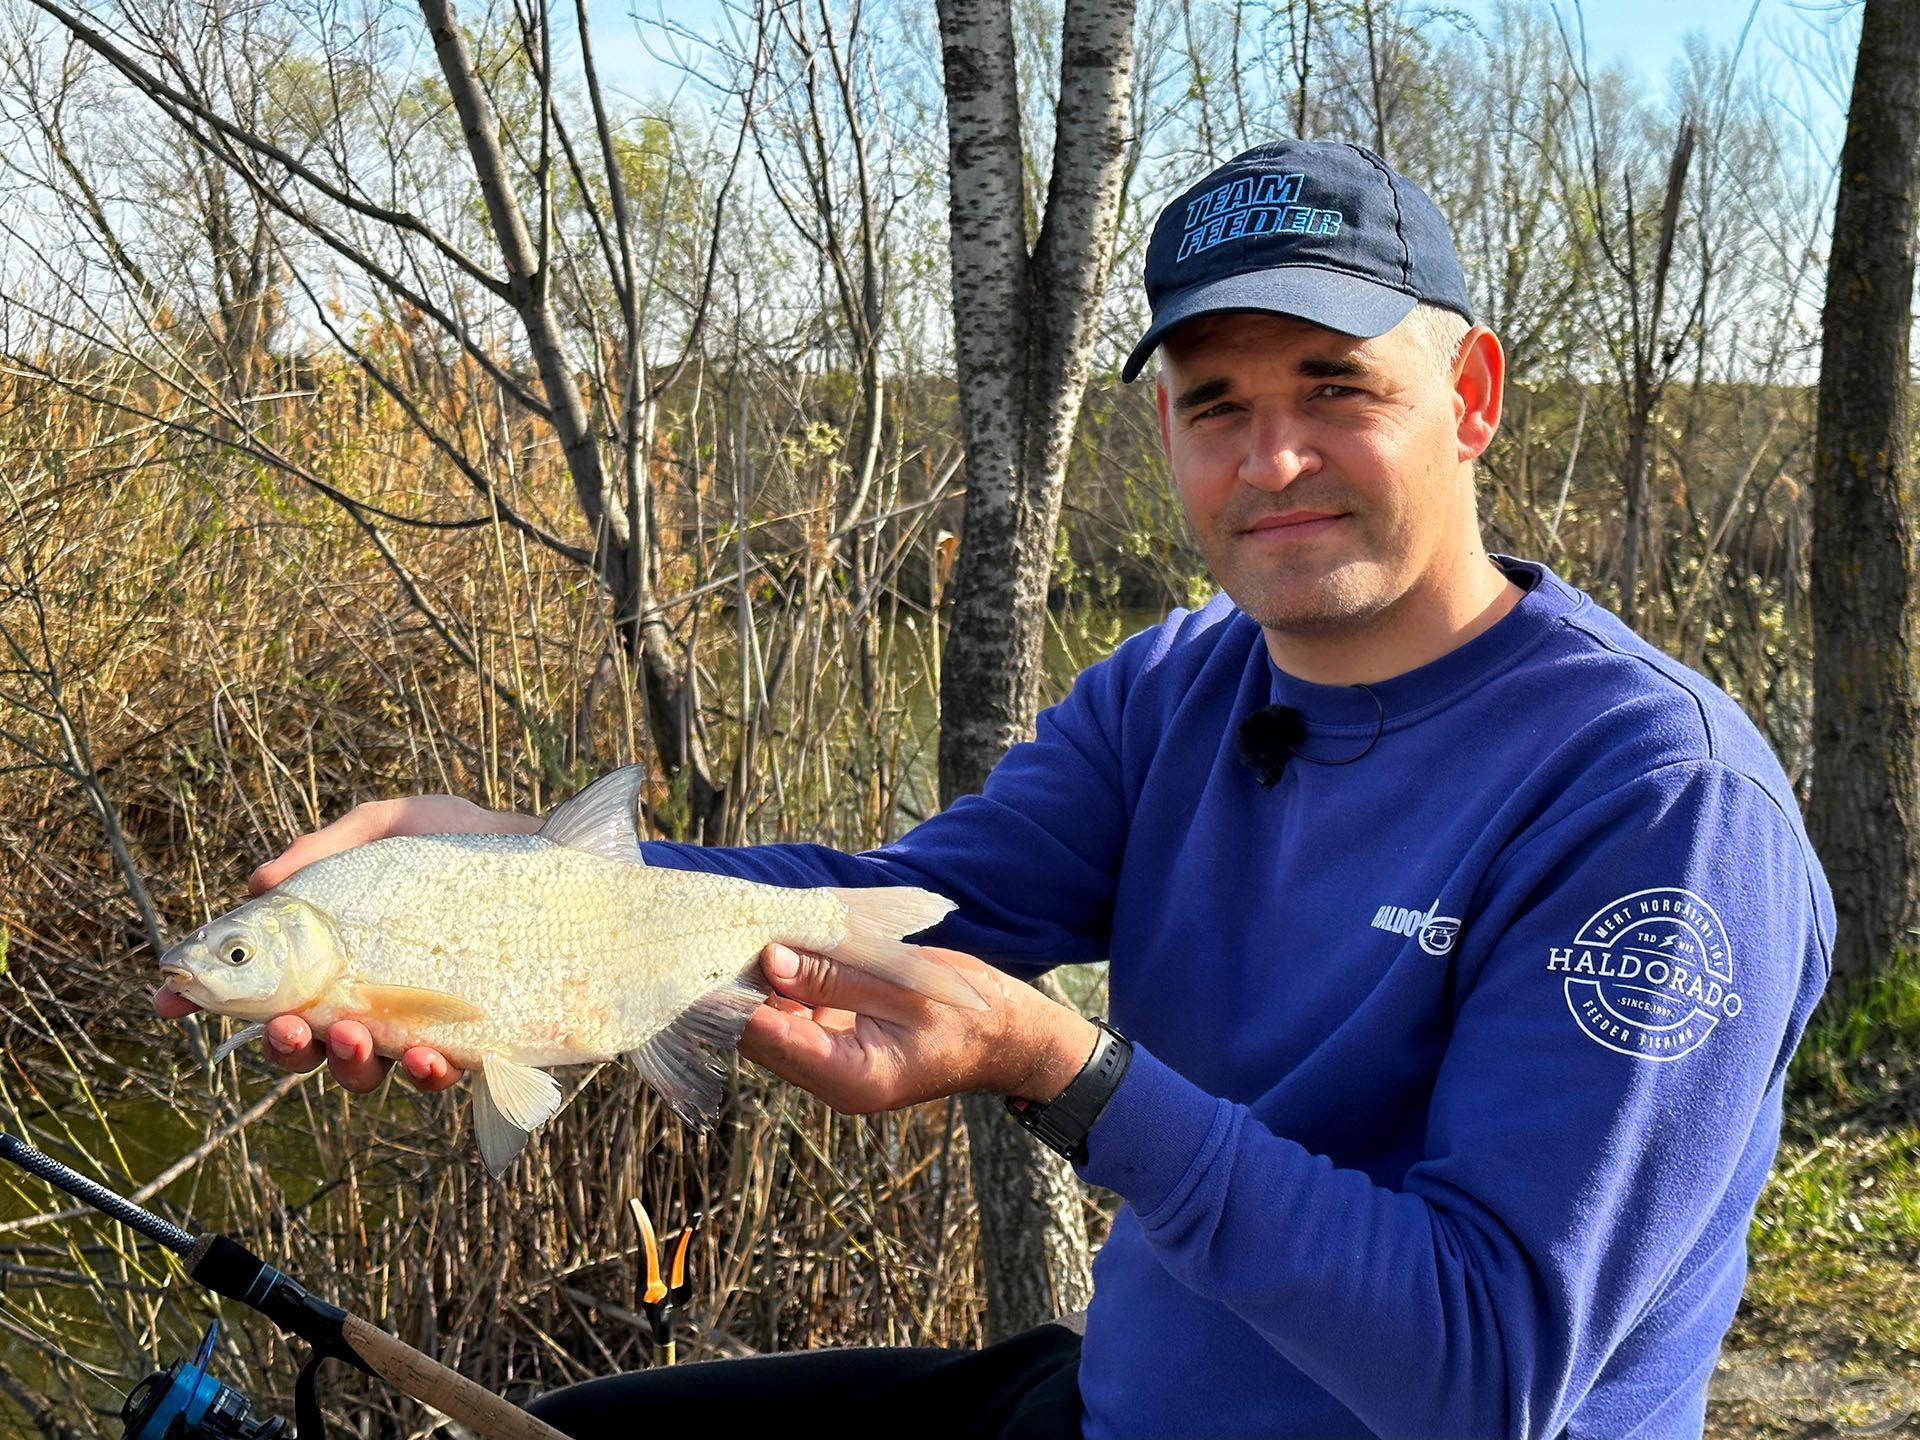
(184, 1402)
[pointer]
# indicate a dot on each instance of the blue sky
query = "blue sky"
(1785, 40)
(1650, 35)
(1647, 34)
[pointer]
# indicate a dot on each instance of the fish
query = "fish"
(511, 954)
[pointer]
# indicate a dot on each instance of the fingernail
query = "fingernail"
(782, 963)
(278, 1046)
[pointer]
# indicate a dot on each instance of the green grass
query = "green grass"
(1863, 1046)
(1834, 1281)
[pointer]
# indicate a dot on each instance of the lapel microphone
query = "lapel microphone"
(1271, 736)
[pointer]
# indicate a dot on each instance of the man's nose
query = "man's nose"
(1279, 452)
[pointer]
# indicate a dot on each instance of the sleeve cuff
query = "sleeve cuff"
(1156, 1137)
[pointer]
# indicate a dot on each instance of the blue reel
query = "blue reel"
(184, 1402)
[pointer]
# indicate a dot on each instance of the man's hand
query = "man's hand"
(348, 1047)
(863, 1045)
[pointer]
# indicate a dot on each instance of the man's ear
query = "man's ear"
(1161, 404)
(1479, 384)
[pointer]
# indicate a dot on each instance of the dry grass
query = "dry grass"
(1828, 1337)
(239, 666)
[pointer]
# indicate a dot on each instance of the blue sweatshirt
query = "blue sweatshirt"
(1457, 1069)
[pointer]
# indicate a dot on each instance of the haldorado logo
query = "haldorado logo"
(1650, 975)
(1437, 932)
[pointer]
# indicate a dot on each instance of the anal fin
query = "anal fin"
(500, 1139)
(676, 1062)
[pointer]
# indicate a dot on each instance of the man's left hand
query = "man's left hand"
(862, 1044)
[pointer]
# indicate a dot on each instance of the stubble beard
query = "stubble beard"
(1347, 599)
(1308, 594)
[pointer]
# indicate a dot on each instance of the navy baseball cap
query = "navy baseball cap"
(1309, 228)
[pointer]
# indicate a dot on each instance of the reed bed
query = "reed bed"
(221, 655)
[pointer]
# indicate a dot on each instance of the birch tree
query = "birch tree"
(1025, 308)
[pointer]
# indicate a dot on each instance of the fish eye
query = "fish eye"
(236, 951)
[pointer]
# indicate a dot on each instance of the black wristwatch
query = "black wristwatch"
(1063, 1122)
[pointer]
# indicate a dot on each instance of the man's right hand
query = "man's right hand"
(348, 1046)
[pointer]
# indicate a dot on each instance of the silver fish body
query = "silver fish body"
(572, 957)
(513, 953)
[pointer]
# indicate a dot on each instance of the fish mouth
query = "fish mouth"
(176, 975)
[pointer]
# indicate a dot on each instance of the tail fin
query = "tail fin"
(877, 918)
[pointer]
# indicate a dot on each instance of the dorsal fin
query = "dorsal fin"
(600, 819)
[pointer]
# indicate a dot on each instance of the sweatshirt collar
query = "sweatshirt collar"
(1410, 696)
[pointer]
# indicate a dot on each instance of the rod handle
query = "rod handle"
(447, 1391)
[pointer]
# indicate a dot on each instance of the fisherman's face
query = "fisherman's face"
(1326, 477)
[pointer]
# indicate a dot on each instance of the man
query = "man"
(1459, 938)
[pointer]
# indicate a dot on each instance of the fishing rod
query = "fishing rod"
(186, 1401)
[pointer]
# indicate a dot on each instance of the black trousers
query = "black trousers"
(1025, 1388)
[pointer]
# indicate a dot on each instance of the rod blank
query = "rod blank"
(98, 1196)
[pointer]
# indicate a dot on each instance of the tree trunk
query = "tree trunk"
(1023, 329)
(1866, 773)
(1649, 381)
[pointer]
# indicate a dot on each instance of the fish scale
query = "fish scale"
(522, 927)
(513, 953)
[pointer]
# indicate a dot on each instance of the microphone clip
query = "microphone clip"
(1271, 736)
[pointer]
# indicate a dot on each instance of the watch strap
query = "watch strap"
(1062, 1124)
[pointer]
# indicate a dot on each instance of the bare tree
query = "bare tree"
(1635, 258)
(559, 222)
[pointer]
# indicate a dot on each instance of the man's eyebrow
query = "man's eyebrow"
(1344, 367)
(1205, 393)
(1313, 367)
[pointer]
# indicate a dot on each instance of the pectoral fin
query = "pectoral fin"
(233, 1042)
(413, 1004)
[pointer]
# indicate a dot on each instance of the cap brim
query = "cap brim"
(1329, 298)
